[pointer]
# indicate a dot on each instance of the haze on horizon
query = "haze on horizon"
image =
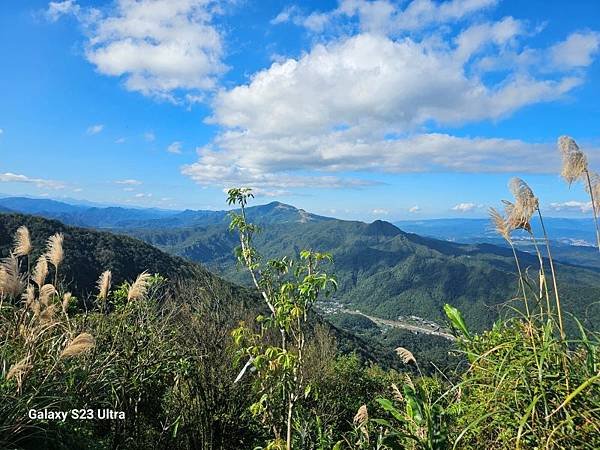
(353, 108)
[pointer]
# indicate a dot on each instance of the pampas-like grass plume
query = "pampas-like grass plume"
(140, 287)
(40, 271)
(406, 356)
(10, 279)
(82, 343)
(65, 301)
(500, 223)
(54, 250)
(23, 245)
(29, 296)
(397, 394)
(46, 291)
(574, 161)
(362, 416)
(104, 284)
(18, 369)
(525, 206)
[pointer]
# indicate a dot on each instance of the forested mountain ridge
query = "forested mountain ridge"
(115, 217)
(384, 271)
(88, 253)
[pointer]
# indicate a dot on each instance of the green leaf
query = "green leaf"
(456, 319)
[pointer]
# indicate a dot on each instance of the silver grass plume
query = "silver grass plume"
(23, 245)
(362, 416)
(140, 286)
(574, 161)
(11, 284)
(525, 205)
(82, 343)
(54, 250)
(65, 301)
(104, 284)
(406, 355)
(46, 292)
(40, 271)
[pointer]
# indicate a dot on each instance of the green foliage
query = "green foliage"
(290, 289)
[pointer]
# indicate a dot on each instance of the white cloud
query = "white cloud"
(284, 16)
(42, 183)
(385, 16)
(128, 189)
(142, 195)
(149, 136)
(414, 209)
(1, 131)
(120, 141)
(175, 147)
(129, 182)
(94, 129)
(58, 9)
(380, 212)
(572, 206)
(367, 102)
(166, 49)
(577, 50)
(466, 207)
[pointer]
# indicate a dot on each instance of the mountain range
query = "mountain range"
(382, 270)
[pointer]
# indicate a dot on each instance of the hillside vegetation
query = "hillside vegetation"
(384, 271)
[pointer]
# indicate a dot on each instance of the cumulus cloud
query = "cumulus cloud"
(572, 206)
(1, 131)
(149, 136)
(129, 182)
(120, 141)
(175, 147)
(42, 183)
(142, 195)
(364, 103)
(384, 16)
(466, 207)
(414, 209)
(95, 129)
(577, 50)
(167, 49)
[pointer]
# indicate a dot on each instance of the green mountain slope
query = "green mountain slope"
(386, 272)
(88, 253)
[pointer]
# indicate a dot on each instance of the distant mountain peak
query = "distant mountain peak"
(382, 228)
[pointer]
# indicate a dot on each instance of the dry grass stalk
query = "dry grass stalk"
(47, 315)
(574, 161)
(54, 250)
(82, 343)
(406, 356)
(501, 224)
(525, 206)
(396, 393)
(65, 301)
(46, 292)
(104, 284)
(17, 370)
(23, 245)
(29, 296)
(140, 287)
(362, 416)
(11, 284)
(40, 271)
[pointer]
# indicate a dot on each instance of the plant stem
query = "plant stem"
(591, 191)
(554, 283)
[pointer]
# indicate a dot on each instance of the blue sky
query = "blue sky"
(357, 109)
